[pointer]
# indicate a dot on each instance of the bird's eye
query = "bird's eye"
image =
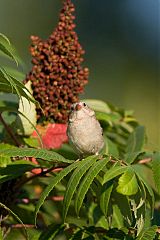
(84, 104)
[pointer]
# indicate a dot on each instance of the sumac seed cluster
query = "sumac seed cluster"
(57, 75)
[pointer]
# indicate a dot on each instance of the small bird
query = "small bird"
(84, 131)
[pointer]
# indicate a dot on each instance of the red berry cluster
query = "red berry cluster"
(57, 75)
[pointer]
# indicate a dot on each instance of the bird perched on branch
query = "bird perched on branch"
(84, 130)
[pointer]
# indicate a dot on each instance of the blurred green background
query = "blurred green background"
(121, 40)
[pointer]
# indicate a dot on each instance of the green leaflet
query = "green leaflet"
(105, 196)
(135, 144)
(117, 219)
(9, 84)
(53, 181)
(138, 206)
(114, 172)
(156, 170)
(88, 179)
(26, 108)
(148, 233)
(36, 153)
(149, 191)
(16, 217)
(7, 48)
(15, 72)
(127, 183)
(52, 231)
(15, 169)
(78, 173)
(123, 204)
(31, 142)
(4, 161)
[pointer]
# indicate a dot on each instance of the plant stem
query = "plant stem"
(19, 225)
(9, 131)
(144, 161)
(42, 174)
(33, 200)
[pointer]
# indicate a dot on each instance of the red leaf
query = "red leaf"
(53, 135)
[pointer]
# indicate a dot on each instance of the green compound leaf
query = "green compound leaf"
(127, 183)
(148, 233)
(53, 181)
(88, 179)
(156, 170)
(135, 144)
(78, 173)
(36, 153)
(114, 172)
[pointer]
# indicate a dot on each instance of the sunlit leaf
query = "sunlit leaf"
(5, 160)
(148, 233)
(9, 84)
(27, 111)
(7, 48)
(127, 183)
(113, 172)
(15, 72)
(88, 179)
(74, 180)
(36, 153)
(31, 142)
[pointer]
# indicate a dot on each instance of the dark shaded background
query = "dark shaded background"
(121, 40)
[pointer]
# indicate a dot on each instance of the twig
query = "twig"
(9, 131)
(33, 200)
(41, 174)
(146, 160)
(18, 225)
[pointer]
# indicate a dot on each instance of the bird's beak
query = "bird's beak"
(78, 107)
